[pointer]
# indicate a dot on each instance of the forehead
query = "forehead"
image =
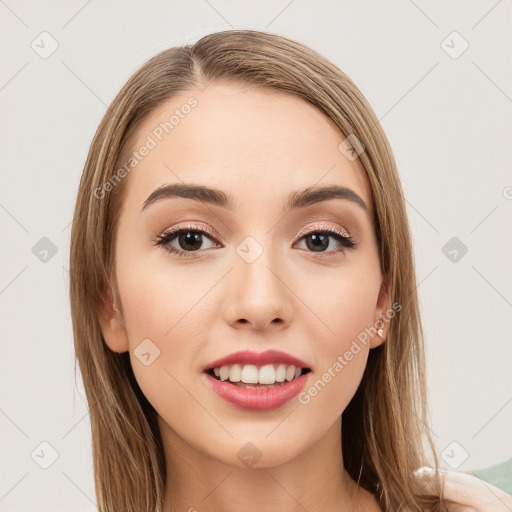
(257, 144)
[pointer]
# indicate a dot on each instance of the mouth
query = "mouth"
(257, 381)
(251, 376)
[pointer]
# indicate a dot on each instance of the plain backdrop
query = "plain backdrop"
(437, 74)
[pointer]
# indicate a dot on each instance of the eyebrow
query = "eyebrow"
(297, 199)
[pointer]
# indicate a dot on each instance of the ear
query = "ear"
(381, 319)
(112, 323)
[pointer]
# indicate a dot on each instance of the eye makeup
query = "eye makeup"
(193, 234)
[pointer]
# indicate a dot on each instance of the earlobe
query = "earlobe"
(112, 325)
(380, 336)
(381, 324)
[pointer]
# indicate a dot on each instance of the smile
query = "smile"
(252, 376)
(257, 381)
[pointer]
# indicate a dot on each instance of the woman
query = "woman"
(243, 291)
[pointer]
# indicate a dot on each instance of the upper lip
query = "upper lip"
(258, 359)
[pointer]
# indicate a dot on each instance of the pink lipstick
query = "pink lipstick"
(257, 381)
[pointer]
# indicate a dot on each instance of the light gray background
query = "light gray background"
(448, 121)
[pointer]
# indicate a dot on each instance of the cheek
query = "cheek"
(158, 298)
(340, 305)
(163, 309)
(346, 312)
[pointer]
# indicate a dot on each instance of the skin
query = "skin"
(257, 146)
(464, 492)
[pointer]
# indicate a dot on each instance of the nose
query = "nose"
(257, 295)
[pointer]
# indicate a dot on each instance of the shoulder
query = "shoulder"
(463, 491)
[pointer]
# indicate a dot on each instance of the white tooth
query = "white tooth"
(216, 371)
(281, 373)
(224, 372)
(235, 373)
(290, 372)
(250, 374)
(267, 374)
(297, 372)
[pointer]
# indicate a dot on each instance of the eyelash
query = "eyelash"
(165, 238)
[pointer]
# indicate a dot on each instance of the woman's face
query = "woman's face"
(264, 276)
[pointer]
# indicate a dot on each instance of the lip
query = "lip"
(258, 399)
(258, 359)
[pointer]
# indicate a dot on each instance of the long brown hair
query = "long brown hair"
(385, 424)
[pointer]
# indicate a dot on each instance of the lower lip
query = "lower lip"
(257, 399)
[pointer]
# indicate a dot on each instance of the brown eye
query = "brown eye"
(319, 241)
(184, 240)
(188, 240)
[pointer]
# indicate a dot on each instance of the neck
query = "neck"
(314, 480)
